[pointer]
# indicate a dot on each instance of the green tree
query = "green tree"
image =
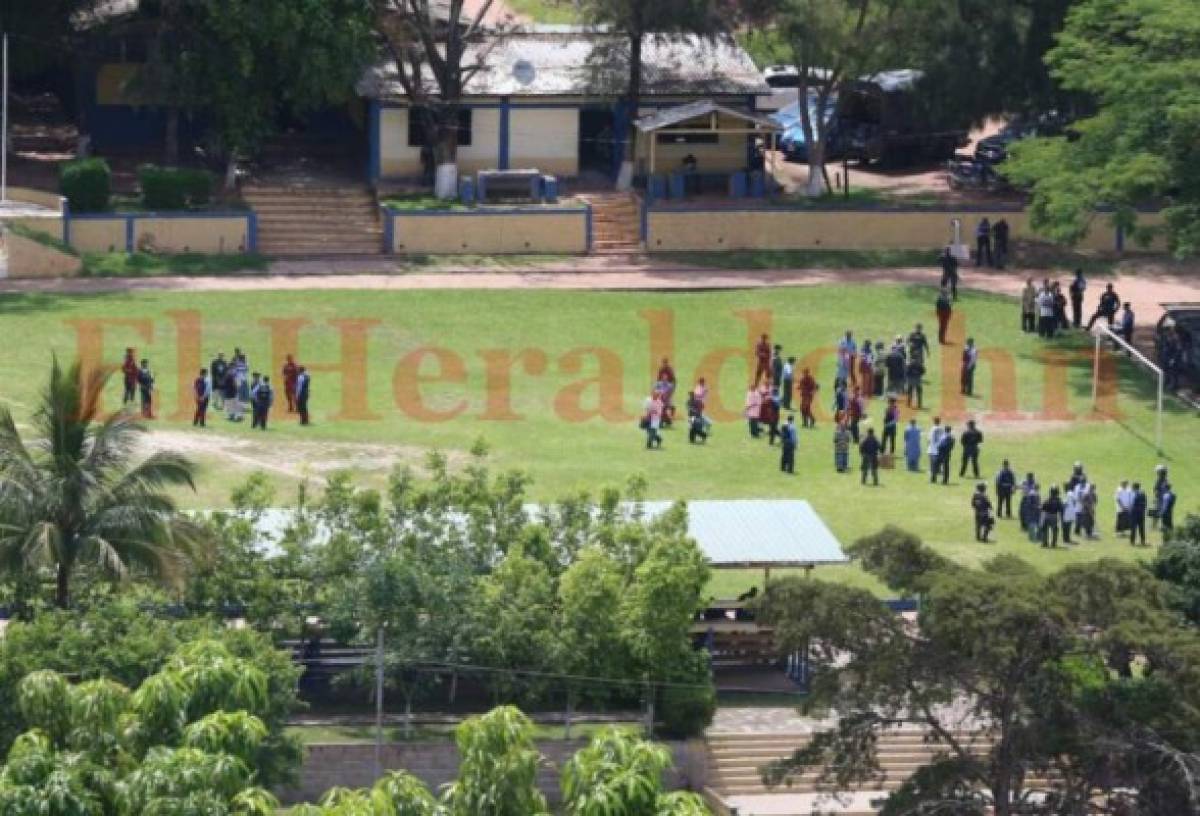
(1137, 61)
(831, 42)
(1041, 667)
(1178, 565)
(437, 48)
(186, 741)
(498, 767)
(246, 64)
(75, 495)
(620, 775)
(117, 642)
(637, 22)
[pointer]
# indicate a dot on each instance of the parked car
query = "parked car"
(994, 149)
(1184, 318)
(792, 140)
(782, 76)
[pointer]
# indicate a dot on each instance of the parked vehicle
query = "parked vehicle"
(792, 140)
(972, 174)
(885, 118)
(994, 149)
(1184, 318)
(782, 76)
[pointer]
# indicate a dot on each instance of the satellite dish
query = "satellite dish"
(524, 72)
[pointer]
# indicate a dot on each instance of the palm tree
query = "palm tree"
(74, 495)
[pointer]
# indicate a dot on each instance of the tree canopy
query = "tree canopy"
(78, 494)
(1081, 686)
(1138, 61)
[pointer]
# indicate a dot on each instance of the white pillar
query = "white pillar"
(4, 126)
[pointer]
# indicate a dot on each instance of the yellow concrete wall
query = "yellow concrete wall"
(817, 229)
(201, 234)
(558, 233)
(98, 234)
(49, 224)
(29, 259)
(484, 150)
(729, 154)
(40, 198)
(205, 235)
(396, 158)
(545, 138)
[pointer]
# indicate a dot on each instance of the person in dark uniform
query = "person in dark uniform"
(698, 424)
(789, 437)
(945, 451)
(1052, 510)
(891, 419)
(1137, 516)
(972, 438)
(982, 506)
(202, 389)
(1077, 288)
(944, 310)
(1000, 238)
(869, 450)
(918, 344)
(1107, 308)
(895, 362)
(983, 242)
(302, 390)
(1127, 323)
(777, 366)
(970, 359)
(217, 369)
(1006, 483)
(1166, 517)
(261, 398)
(129, 372)
(145, 381)
(290, 372)
(950, 272)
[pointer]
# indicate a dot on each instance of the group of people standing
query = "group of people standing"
(226, 385)
(230, 386)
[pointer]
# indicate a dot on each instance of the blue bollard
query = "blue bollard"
(737, 185)
(466, 190)
(678, 185)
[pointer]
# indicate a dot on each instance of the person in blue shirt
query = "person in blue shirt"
(912, 446)
(788, 438)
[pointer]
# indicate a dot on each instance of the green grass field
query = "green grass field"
(533, 418)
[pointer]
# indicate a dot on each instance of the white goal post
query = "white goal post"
(1101, 333)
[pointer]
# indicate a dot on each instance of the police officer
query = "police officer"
(1006, 482)
(972, 438)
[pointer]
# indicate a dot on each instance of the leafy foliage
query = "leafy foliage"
(619, 775)
(1178, 564)
(178, 744)
(86, 184)
(116, 646)
(1137, 60)
(76, 494)
(1085, 678)
(174, 188)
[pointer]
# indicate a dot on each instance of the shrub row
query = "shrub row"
(87, 185)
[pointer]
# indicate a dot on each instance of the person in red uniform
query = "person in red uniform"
(291, 372)
(129, 370)
(762, 356)
(866, 373)
(857, 411)
(808, 390)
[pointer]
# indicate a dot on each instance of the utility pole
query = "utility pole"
(379, 703)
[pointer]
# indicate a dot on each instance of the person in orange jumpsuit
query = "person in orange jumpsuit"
(291, 372)
(808, 389)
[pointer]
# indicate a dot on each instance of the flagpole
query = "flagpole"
(4, 129)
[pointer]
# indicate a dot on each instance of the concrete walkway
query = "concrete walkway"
(1146, 291)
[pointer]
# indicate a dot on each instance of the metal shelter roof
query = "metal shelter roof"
(694, 110)
(759, 533)
(743, 533)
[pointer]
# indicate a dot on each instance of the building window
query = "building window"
(417, 132)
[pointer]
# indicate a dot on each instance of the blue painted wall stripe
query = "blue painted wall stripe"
(252, 232)
(588, 227)
(389, 231)
(66, 217)
(505, 134)
(129, 233)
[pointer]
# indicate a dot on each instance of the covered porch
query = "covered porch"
(686, 151)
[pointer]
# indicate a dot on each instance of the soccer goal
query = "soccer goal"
(1101, 333)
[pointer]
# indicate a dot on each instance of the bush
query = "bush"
(686, 709)
(87, 184)
(174, 188)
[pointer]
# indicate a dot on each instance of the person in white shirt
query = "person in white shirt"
(935, 439)
(1070, 513)
(1046, 320)
(1124, 501)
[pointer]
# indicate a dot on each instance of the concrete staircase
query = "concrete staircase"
(315, 219)
(616, 223)
(735, 762)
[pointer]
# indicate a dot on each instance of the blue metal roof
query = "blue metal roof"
(759, 532)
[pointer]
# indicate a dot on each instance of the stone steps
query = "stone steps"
(616, 223)
(317, 219)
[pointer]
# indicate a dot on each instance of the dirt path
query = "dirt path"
(1145, 290)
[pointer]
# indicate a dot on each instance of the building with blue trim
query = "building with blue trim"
(551, 98)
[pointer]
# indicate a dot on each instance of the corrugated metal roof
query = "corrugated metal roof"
(759, 532)
(735, 533)
(591, 62)
(692, 110)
